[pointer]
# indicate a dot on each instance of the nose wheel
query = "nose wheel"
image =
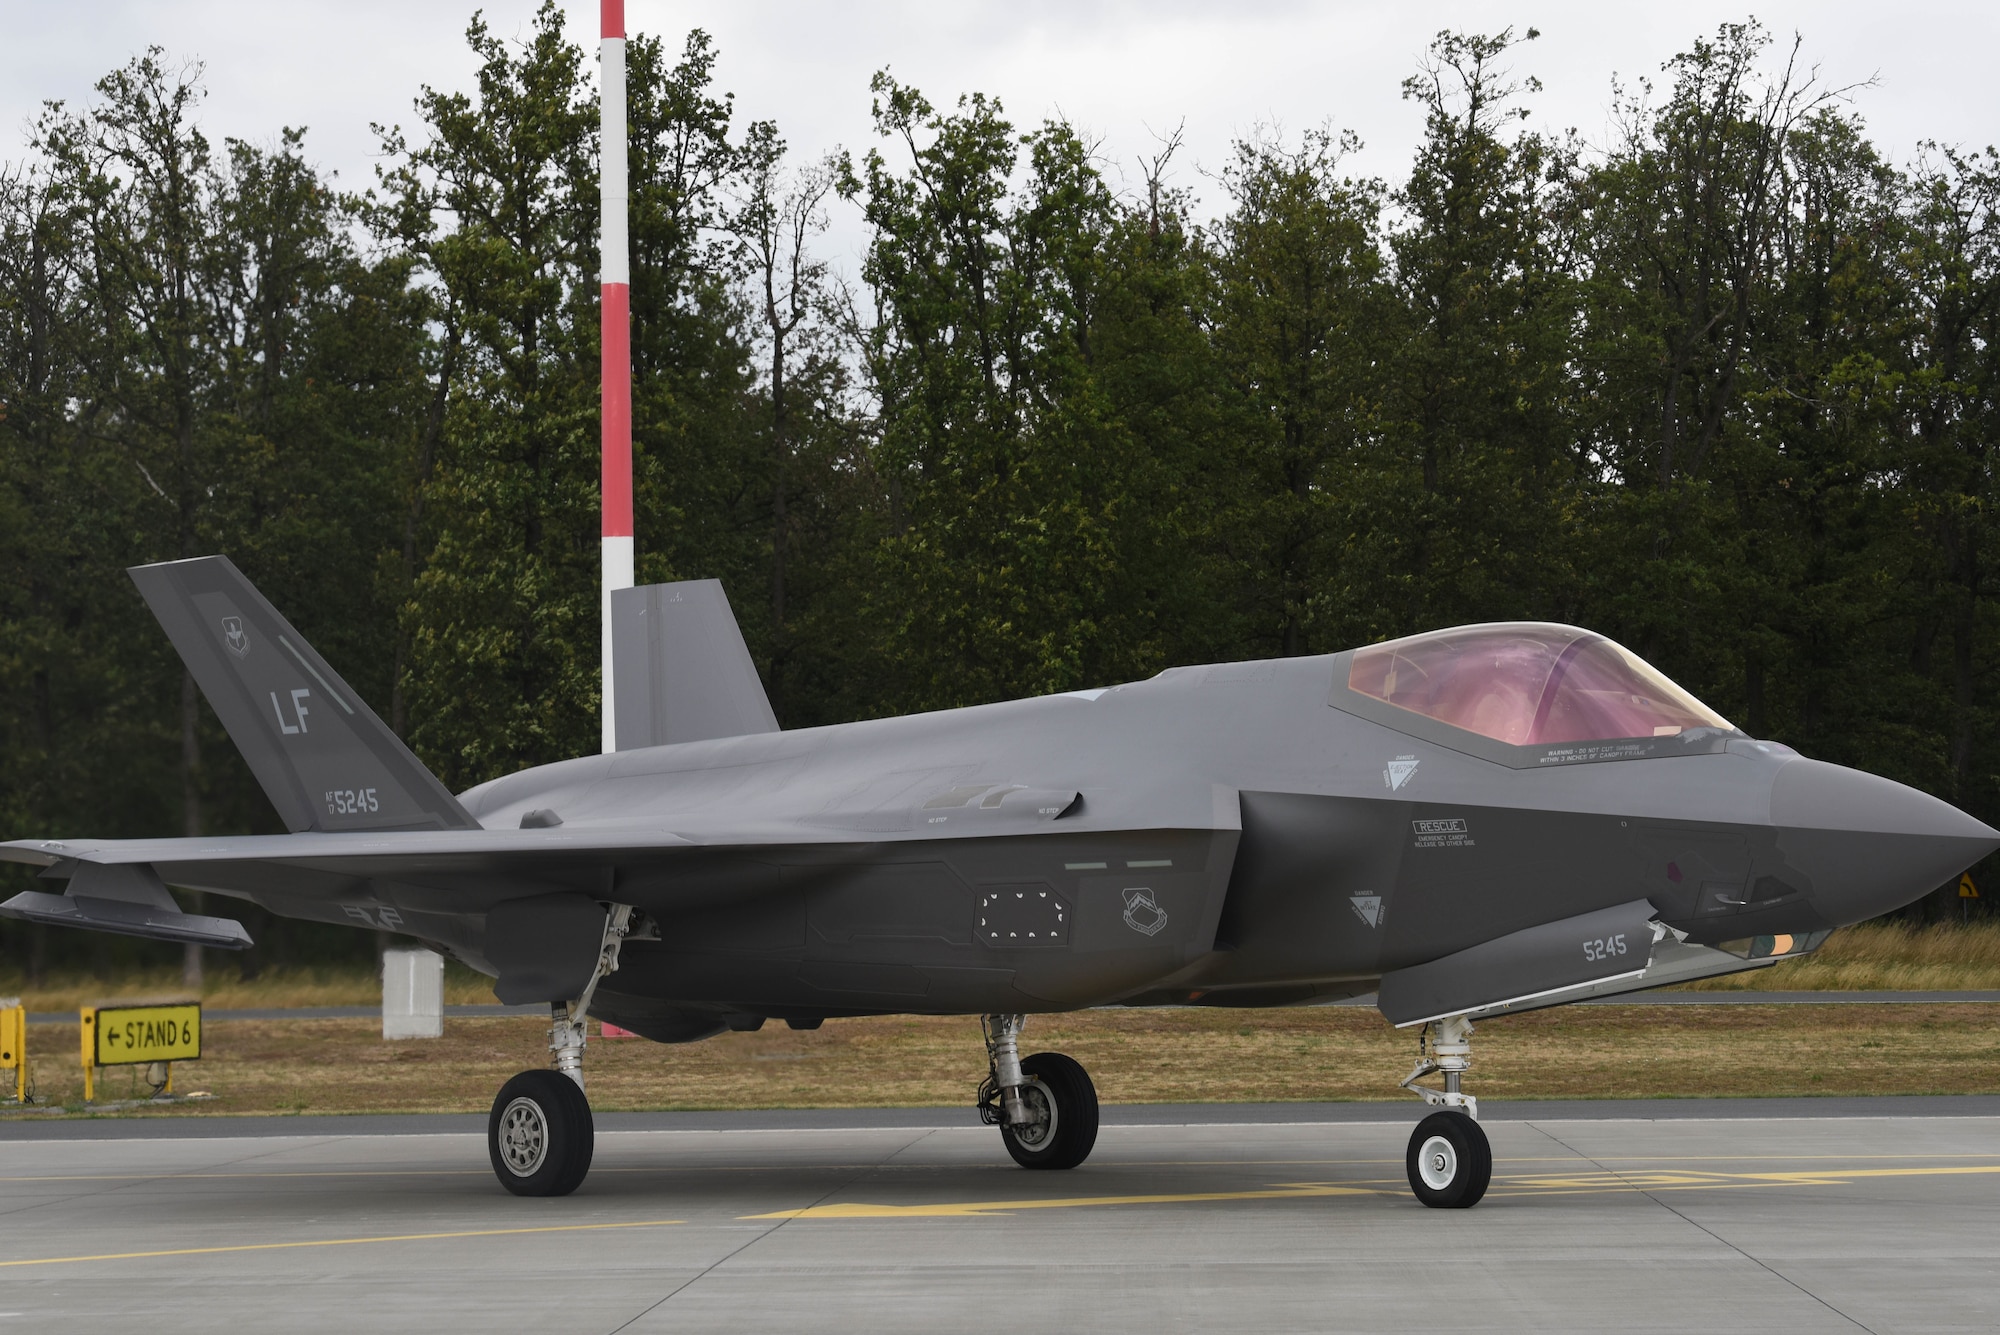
(1450, 1161)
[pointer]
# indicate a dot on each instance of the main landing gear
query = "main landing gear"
(1449, 1160)
(1044, 1105)
(540, 1135)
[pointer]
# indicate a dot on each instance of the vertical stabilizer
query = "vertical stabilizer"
(322, 756)
(681, 670)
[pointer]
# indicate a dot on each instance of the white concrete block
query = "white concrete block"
(412, 994)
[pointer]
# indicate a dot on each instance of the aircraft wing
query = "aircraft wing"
(386, 852)
(421, 882)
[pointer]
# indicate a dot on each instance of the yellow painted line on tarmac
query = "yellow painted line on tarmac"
(248, 1177)
(1922, 1172)
(1610, 1176)
(690, 1169)
(262, 1174)
(339, 1242)
(961, 1209)
(1694, 1180)
(1550, 1184)
(1528, 1158)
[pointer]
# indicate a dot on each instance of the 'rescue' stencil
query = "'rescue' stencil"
(1443, 832)
(1398, 772)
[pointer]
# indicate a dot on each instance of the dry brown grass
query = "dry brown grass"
(319, 1066)
(224, 989)
(1884, 956)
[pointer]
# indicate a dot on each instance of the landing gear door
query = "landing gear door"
(545, 947)
(1539, 966)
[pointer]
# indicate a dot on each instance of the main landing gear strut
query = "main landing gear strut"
(540, 1135)
(1044, 1105)
(1449, 1160)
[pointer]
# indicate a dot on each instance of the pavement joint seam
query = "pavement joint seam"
(339, 1242)
(1703, 1228)
(860, 1171)
(113, 1186)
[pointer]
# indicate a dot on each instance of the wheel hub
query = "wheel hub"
(1437, 1163)
(1041, 1128)
(524, 1137)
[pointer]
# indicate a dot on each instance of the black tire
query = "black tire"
(1065, 1129)
(1450, 1161)
(540, 1135)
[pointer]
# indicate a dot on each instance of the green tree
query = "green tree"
(1479, 403)
(1682, 221)
(502, 618)
(1301, 310)
(1940, 467)
(201, 363)
(1039, 534)
(496, 209)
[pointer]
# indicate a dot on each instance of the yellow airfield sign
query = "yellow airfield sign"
(128, 1035)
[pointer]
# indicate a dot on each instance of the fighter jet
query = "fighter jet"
(1470, 822)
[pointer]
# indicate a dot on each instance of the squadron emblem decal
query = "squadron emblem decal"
(1142, 915)
(234, 637)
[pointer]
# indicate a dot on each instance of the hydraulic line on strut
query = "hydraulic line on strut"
(566, 1018)
(1003, 1051)
(1445, 1046)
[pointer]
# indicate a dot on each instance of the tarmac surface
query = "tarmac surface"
(1675, 1215)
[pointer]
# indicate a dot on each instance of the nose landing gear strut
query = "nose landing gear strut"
(1449, 1160)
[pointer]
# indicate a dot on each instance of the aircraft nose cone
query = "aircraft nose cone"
(1869, 844)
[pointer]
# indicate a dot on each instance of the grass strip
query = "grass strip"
(344, 1066)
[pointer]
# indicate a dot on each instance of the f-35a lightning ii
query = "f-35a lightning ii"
(1470, 822)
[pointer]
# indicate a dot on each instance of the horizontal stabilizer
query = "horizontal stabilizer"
(680, 669)
(1538, 966)
(323, 757)
(128, 899)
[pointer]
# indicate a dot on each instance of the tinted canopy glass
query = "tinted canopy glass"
(1528, 684)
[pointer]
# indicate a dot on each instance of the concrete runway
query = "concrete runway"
(1878, 1215)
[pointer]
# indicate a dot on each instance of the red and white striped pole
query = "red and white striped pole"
(616, 313)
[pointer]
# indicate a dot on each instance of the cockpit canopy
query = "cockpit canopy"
(1528, 683)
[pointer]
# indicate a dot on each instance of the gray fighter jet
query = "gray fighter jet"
(1470, 822)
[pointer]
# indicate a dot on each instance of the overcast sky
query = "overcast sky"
(1122, 70)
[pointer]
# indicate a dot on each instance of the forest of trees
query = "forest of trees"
(1722, 389)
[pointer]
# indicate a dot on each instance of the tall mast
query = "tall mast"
(616, 314)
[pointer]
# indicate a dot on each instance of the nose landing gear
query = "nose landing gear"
(1044, 1105)
(1449, 1161)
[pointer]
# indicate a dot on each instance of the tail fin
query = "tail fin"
(323, 757)
(680, 669)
